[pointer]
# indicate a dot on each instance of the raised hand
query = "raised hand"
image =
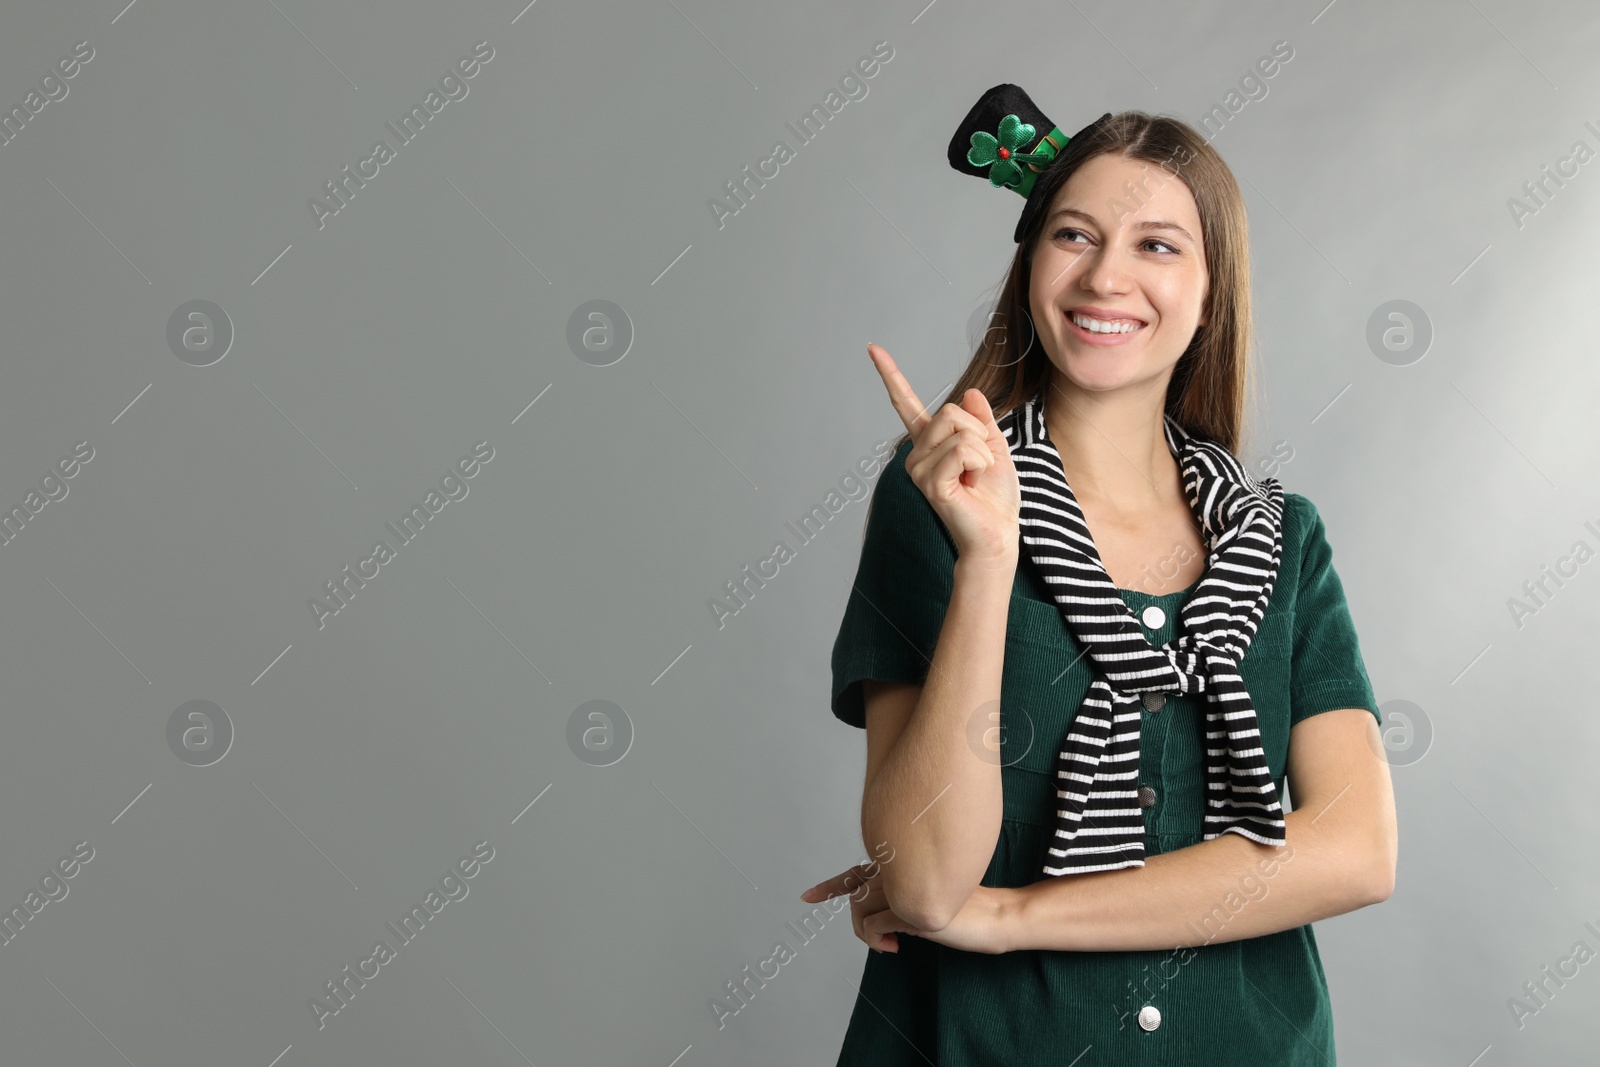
(961, 462)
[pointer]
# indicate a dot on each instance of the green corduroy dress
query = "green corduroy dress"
(1260, 1000)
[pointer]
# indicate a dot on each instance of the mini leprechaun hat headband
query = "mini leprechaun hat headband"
(1000, 140)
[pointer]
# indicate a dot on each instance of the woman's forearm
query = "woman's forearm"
(1225, 889)
(936, 797)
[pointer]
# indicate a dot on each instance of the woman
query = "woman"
(986, 643)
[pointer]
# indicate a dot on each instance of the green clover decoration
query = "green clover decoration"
(1001, 152)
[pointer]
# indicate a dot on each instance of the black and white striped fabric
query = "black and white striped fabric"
(1099, 824)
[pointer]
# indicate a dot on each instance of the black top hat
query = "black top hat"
(1000, 139)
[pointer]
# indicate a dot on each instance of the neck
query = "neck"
(1113, 450)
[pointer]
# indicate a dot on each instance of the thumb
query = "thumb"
(885, 922)
(975, 403)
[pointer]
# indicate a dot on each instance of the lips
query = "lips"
(1107, 314)
(1109, 338)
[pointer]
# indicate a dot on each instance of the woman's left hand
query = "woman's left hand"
(980, 925)
(864, 883)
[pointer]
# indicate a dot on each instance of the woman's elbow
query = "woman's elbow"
(1381, 885)
(927, 907)
(929, 918)
(1378, 885)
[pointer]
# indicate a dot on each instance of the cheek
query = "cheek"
(1178, 298)
(1039, 281)
(1052, 274)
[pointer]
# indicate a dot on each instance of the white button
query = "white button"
(1154, 617)
(1149, 1017)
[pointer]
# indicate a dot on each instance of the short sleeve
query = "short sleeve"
(899, 595)
(1326, 670)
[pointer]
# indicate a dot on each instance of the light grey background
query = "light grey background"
(371, 754)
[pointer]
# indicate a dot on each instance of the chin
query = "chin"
(1099, 370)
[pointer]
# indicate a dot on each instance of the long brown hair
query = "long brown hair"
(1207, 392)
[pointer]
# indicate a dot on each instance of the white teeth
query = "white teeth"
(1101, 326)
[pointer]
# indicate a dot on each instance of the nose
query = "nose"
(1104, 272)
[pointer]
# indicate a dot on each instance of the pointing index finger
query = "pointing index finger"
(901, 395)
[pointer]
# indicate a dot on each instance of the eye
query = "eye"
(1170, 249)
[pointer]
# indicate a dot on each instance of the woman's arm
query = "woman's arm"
(932, 793)
(1340, 855)
(933, 768)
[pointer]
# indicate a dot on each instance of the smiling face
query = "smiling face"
(1119, 275)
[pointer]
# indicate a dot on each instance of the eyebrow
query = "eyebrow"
(1148, 224)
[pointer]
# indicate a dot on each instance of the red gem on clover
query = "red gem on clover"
(1005, 153)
